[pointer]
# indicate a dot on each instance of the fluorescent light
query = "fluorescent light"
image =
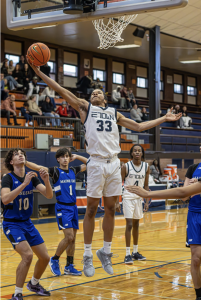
(190, 59)
(127, 46)
(44, 26)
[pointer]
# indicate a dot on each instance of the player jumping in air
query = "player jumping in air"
(17, 199)
(103, 167)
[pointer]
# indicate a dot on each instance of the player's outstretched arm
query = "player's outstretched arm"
(132, 125)
(82, 159)
(35, 167)
(45, 190)
(146, 187)
(75, 102)
(176, 193)
(8, 196)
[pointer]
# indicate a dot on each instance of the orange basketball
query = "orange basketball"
(38, 54)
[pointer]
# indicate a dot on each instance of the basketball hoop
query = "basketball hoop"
(110, 33)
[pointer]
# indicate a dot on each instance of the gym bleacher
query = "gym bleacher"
(171, 138)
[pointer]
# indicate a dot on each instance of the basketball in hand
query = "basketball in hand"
(38, 54)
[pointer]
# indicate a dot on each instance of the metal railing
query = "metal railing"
(24, 137)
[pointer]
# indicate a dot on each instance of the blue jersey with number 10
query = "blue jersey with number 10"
(22, 206)
(65, 187)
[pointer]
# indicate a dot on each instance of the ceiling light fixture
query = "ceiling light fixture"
(44, 26)
(190, 60)
(127, 46)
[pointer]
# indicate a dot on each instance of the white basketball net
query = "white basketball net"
(110, 33)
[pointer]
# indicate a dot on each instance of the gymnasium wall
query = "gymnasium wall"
(130, 68)
(47, 159)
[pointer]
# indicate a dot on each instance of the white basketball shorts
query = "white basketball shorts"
(133, 209)
(103, 177)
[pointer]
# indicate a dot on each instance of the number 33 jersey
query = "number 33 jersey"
(101, 131)
(135, 175)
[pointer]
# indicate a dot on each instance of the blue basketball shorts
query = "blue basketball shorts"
(194, 228)
(67, 216)
(17, 232)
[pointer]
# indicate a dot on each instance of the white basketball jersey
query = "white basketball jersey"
(101, 131)
(135, 176)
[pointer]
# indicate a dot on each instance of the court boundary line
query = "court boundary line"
(114, 276)
(157, 266)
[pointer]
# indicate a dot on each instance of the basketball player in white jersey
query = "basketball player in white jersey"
(103, 168)
(134, 172)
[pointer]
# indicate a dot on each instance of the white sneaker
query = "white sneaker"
(19, 85)
(31, 123)
(178, 126)
(26, 124)
(47, 124)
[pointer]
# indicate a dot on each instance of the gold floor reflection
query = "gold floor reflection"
(164, 275)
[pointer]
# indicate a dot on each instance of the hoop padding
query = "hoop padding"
(110, 33)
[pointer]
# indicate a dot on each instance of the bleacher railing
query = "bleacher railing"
(24, 137)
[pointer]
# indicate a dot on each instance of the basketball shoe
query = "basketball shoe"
(70, 270)
(105, 259)
(38, 289)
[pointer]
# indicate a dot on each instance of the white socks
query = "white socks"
(87, 250)
(34, 281)
(128, 251)
(18, 291)
(107, 247)
(135, 249)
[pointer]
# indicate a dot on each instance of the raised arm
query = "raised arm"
(8, 196)
(35, 167)
(75, 102)
(45, 190)
(176, 193)
(82, 159)
(132, 125)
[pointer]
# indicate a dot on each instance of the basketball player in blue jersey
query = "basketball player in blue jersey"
(103, 168)
(194, 216)
(134, 172)
(17, 199)
(66, 209)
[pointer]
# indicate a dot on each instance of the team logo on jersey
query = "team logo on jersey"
(19, 238)
(34, 48)
(59, 214)
(101, 115)
(8, 231)
(16, 182)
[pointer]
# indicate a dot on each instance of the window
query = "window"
(191, 91)
(70, 70)
(14, 58)
(161, 85)
(99, 74)
(52, 66)
(178, 88)
(142, 82)
(118, 78)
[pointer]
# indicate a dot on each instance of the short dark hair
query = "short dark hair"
(62, 152)
(131, 150)
(9, 156)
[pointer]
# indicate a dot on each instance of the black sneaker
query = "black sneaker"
(137, 256)
(17, 297)
(38, 289)
(128, 260)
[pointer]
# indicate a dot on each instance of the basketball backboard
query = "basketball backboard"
(24, 14)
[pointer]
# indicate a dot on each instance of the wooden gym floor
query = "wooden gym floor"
(164, 275)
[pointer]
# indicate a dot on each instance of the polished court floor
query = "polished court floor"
(164, 275)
